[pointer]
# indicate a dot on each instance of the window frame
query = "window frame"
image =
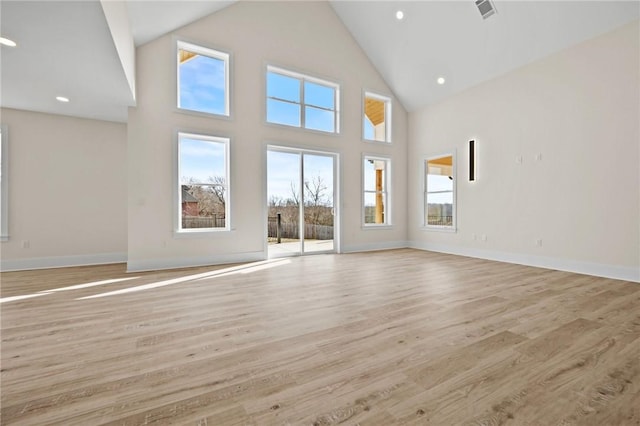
(387, 193)
(4, 182)
(388, 109)
(198, 49)
(226, 142)
(302, 104)
(425, 193)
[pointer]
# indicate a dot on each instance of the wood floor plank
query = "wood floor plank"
(568, 385)
(439, 370)
(555, 341)
(382, 338)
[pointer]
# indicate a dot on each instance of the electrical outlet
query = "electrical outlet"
(539, 242)
(484, 237)
(26, 244)
(519, 159)
(538, 157)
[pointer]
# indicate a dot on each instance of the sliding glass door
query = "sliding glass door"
(300, 202)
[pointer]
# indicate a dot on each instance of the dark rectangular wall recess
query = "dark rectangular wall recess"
(472, 161)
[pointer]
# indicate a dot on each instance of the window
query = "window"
(376, 191)
(439, 195)
(300, 101)
(4, 184)
(376, 118)
(203, 79)
(203, 183)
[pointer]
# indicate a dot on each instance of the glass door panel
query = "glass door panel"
(284, 201)
(318, 196)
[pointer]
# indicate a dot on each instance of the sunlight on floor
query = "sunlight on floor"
(242, 269)
(73, 287)
(87, 285)
(26, 296)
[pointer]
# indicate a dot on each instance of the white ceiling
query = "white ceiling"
(152, 18)
(65, 48)
(450, 39)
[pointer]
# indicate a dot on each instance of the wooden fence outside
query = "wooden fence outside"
(292, 230)
(202, 222)
(440, 220)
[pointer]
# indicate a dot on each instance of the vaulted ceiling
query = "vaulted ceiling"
(66, 48)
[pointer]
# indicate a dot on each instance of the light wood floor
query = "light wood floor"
(384, 338)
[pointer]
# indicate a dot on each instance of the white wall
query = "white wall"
(67, 195)
(303, 36)
(579, 109)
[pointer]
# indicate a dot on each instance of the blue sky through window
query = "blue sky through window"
(283, 113)
(284, 102)
(283, 87)
(283, 170)
(440, 184)
(369, 131)
(201, 160)
(202, 84)
(319, 95)
(319, 119)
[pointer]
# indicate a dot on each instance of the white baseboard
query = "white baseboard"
(61, 261)
(374, 246)
(189, 262)
(597, 269)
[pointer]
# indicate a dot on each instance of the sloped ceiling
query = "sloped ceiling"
(65, 48)
(150, 19)
(450, 39)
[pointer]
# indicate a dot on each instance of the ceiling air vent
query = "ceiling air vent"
(486, 8)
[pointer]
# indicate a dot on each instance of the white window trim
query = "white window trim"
(212, 53)
(303, 78)
(178, 231)
(388, 222)
(4, 226)
(387, 116)
(454, 210)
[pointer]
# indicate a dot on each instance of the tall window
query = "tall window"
(203, 183)
(4, 185)
(376, 191)
(439, 195)
(301, 101)
(203, 79)
(376, 118)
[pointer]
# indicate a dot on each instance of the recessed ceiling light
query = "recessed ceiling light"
(7, 42)
(399, 15)
(62, 99)
(441, 80)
